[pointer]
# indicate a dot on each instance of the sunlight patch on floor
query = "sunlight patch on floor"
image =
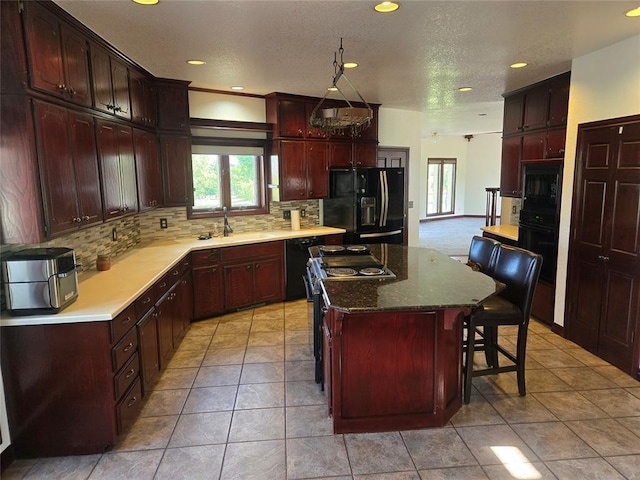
(516, 463)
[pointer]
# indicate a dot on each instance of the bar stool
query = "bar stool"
(519, 270)
(482, 254)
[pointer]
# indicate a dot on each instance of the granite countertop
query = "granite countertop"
(425, 280)
(103, 295)
(506, 231)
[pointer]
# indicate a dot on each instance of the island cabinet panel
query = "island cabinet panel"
(393, 370)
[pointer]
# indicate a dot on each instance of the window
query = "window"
(441, 182)
(229, 176)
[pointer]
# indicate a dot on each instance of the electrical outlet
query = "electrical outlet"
(163, 223)
(513, 209)
(286, 214)
(303, 213)
(410, 205)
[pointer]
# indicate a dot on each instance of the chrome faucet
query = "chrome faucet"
(227, 228)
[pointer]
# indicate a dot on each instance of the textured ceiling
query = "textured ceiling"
(412, 59)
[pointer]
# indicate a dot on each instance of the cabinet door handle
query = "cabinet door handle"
(132, 401)
(162, 285)
(85, 218)
(214, 269)
(126, 320)
(62, 87)
(146, 300)
(130, 373)
(128, 347)
(248, 267)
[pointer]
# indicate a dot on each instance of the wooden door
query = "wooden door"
(45, 49)
(510, 166)
(177, 177)
(317, 169)
(208, 289)
(604, 269)
(268, 280)
(54, 151)
(85, 164)
(365, 154)
(293, 173)
(340, 154)
(238, 285)
(75, 53)
(535, 108)
(148, 347)
(120, 81)
(513, 114)
(147, 170)
(102, 86)
(110, 168)
(127, 170)
(291, 118)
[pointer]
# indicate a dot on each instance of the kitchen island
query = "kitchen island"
(392, 348)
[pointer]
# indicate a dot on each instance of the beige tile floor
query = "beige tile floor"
(238, 401)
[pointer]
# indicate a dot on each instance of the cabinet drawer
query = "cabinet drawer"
(126, 376)
(257, 250)
(124, 349)
(168, 280)
(127, 409)
(144, 302)
(184, 264)
(123, 323)
(205, 257)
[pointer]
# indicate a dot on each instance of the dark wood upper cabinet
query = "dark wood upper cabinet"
(365, 154)
(293, 171)
(68, 158)
(58, 56)
(173, 105)
(559, 101)
(148, 171)
(341, 154)
(533, 123)
(177, 177)
(119, 188)
(535, 108)
(317, 174)
(288, 116)
(110, 84)
(510, 167)
(143, 102)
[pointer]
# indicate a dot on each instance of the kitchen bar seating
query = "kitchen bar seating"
(518, 269)
(482, 254)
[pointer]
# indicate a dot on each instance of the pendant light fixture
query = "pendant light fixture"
(341, 119)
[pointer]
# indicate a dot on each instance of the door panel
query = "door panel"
(76, 64)
(85, 161)
(604, 270)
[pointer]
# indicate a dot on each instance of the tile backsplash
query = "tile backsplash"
(130, 231)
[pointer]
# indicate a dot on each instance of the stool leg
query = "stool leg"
(490, 340)
(468, 367)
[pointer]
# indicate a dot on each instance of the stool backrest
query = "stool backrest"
(483, 251)
(519, 270)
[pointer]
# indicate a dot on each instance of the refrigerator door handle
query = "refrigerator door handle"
(380, 234)
(384, 201)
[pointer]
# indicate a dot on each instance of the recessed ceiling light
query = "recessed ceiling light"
(465, 89)
(333, 89)
(634, 12)
(386, 7)
(196, 62)
(350, 65)
(519, 65)
(237, 87)
(146, 2)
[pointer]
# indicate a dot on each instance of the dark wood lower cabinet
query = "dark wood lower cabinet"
(148, 346)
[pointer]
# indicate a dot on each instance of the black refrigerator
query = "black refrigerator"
(368, 203)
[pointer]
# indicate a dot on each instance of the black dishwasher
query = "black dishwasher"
(297, 255)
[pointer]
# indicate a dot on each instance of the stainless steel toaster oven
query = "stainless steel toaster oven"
(40, 280)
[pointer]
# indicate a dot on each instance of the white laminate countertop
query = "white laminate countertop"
(506, 231)
(103, 295)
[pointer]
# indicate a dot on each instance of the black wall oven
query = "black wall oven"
(539, 217)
